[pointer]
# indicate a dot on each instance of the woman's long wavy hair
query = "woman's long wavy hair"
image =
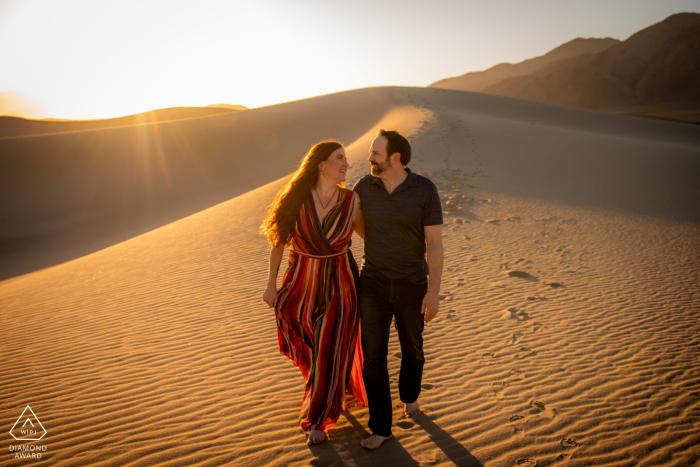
(278, 225)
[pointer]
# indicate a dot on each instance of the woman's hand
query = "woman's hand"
(358, 221)
(270, 296)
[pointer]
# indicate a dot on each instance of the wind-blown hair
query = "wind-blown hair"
(278, 225)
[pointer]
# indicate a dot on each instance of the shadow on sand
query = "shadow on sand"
(454, 451)
(345, 446)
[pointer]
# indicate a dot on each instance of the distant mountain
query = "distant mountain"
(654, 72)
(477, 81)
(14, 126)
(228, 106)
(20, 105)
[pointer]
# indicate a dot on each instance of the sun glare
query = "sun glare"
(84, 59)
(112, 59)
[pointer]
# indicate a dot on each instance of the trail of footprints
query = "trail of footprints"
(457, 205)
(536, 407)
(523, 352)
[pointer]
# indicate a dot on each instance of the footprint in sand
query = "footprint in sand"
(537, 327)
(405, 425)
(570, 445)
(515, 313)
(524, 352)
(488, 358)
(519, 374)
(517, 336)
(526, 461)
(451, 315)
(520, 274)
(518, 426)
(538, 407)
(498, 388)
(533, 298)
(554, 285)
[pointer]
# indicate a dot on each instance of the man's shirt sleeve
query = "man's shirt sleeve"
(432, 214)
(357, 186)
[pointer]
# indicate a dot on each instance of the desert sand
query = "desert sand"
(568, 324)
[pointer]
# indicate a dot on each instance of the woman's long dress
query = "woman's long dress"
(317, 315)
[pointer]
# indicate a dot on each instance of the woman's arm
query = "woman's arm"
(270, 295)
(358, 221)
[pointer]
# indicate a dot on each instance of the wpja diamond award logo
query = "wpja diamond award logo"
(28, 428)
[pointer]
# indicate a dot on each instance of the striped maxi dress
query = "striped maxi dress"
(317, 315)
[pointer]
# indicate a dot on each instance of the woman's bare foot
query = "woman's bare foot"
(374, 441)
(412, 409)
(315, 436)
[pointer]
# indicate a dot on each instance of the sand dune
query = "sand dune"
(66, 195)
(568, 327)
(13, 127)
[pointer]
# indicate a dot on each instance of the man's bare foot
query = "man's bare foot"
(412, 409)
(374, 441)
(315, 436)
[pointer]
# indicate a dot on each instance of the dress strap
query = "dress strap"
(319, 256)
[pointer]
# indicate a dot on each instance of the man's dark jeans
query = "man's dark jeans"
(379, 301)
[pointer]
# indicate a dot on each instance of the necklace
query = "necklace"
(324, 211)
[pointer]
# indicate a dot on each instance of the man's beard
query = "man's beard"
(379, 168)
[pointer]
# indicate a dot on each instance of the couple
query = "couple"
(334, 322)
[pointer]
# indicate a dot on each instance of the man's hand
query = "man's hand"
(430, 306)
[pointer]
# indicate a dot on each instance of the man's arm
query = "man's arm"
(431, 302)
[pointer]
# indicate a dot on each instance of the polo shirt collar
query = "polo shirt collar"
(411, 180)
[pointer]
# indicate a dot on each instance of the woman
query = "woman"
(316, 307)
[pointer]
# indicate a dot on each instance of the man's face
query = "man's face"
(378, 157)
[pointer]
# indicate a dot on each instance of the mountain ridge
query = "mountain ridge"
(476, 81)
(653, 72)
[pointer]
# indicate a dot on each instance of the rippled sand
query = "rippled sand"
(568, 324)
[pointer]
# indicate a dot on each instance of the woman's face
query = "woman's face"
(335, 166)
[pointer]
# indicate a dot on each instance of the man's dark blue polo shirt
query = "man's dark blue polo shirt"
(394, 236)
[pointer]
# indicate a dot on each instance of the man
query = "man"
(402, 213)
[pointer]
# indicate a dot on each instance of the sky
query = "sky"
(82, 59)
